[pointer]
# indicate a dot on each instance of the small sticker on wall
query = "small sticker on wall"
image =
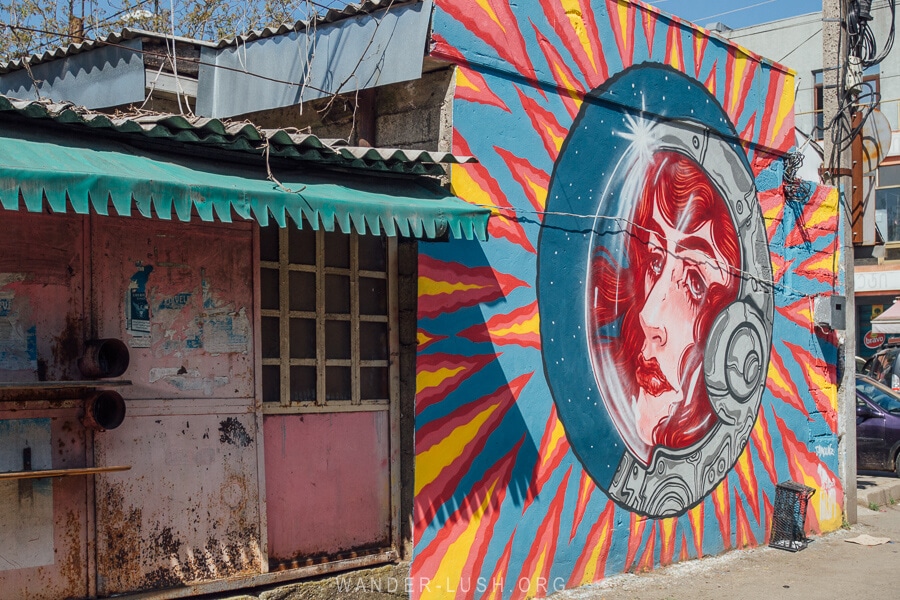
(137, 308)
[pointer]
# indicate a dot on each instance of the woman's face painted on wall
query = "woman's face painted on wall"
(680, 269)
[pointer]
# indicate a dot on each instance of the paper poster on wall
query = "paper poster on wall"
(26, 521)
(137, 308)
(18, 339)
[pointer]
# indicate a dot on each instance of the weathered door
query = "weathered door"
(329, 391)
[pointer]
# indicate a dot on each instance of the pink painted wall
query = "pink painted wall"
(327, 483)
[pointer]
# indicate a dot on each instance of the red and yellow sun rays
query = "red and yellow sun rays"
(824, 511)
(545, 123)
(459, 548)
(762, 441)
(739, 73)
(591, 565)
(668, 540)
(535, 182)
(695, 518)
(585, 490)
(439, 374)
(520, 327)
(425, 339)
(446, 447)
(635, 538)
(573, 21)
(781, 384)
(535, 576)
(649, 19)
(475, 184)
(470, 84)
(622, 18)
(701, 40)
(821, 379)
(674, 49)
(777, 128)
(743, 536)
(747, 478)
(554, 447)
(821, 267)
(445, 287)
(722, 505)
(772, 204)
(497, 581)
(570, 89)
(819, 218)
(495, 24)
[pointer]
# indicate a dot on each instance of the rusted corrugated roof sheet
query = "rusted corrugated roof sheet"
(242, 136)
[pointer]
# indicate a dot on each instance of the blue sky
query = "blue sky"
(737, 13)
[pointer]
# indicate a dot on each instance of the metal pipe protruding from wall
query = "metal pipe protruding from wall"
(104, 358)
(103, 411)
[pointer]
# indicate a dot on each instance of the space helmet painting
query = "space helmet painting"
(654, 287)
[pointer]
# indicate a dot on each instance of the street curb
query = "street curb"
(881, 495)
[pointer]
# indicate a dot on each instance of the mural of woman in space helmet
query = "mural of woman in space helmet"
(658, 372)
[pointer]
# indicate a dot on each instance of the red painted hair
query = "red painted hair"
(687, 200)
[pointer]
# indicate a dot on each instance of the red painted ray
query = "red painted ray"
(820, 218)
(762, 440)
(536, 566)
(493, 588)
(470, 84)
(554, 447)
(770, 511)
(469, 529)
(425, 339)
(722, 504)
(668, 540)
(675, 48)
(520, 327)
(744, 537)
(710, 82)
(747, 478)
(777, 127)
(761, 161)
(821, 267)
(772, 204)
(695, 517)
(740, 70)
(635, 537)
(439, 374)
(781, 385)
(780, 266)
(701, 40)
(800, 312)
(747, 133)
(446, 447)
(621, 17)
(821, 380)
(645, 564)
(585, 490)
(824, 509)
(685, 555)
(578, 31)
(494, 23)
(649, 20)
(571, 90)
(445, 287)
(591, 565)
(551, 132)
(475, 184)
(535, 182)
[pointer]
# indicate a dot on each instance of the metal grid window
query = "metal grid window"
(328, 317)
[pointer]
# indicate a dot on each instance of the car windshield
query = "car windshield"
(879, 394)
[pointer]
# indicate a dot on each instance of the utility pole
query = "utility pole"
(838, 169)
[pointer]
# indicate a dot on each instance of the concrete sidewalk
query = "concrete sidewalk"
(874, 489)
(829, 568)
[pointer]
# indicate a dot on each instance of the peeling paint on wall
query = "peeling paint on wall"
(137, 309)
(26, 521)
(187, 379)
(227, 332)
(18, 337)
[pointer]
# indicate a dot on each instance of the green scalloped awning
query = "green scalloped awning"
(74, 170)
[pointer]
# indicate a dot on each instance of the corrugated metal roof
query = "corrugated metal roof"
(350, 10)
(87, 45)
(241, 136)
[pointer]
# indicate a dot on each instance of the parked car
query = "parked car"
(884, 367)
(877, 426)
